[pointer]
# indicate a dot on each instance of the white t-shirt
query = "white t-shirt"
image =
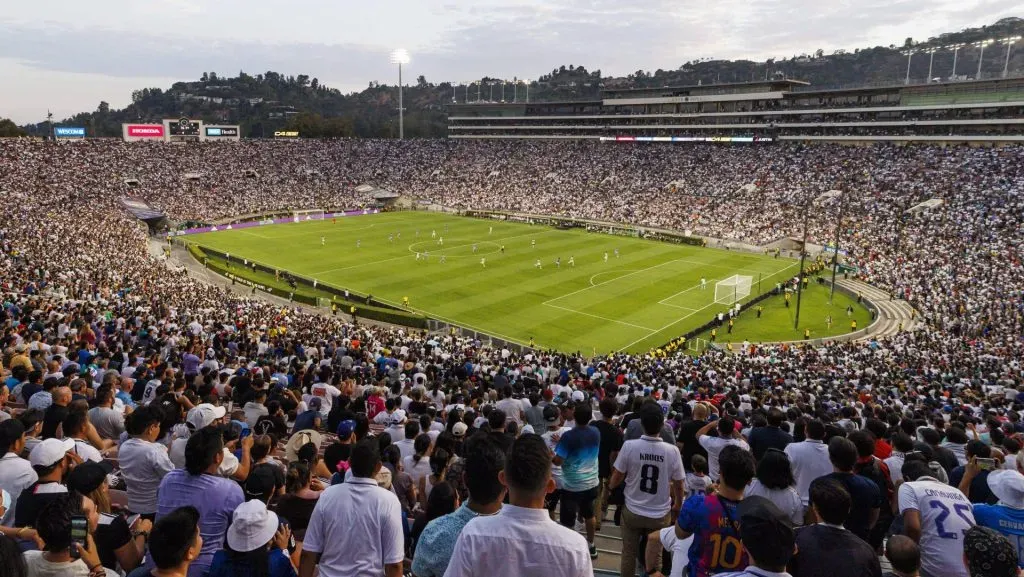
(549, 440)
(327, 393)
(650, 465)
(678, 548)
(787, 500)
(714, 446)
(809, 460)
(417, 470)
(946, 514)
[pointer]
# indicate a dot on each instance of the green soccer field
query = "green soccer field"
(645, 295)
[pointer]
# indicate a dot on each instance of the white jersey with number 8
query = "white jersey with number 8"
(946, 514)
(650, 465)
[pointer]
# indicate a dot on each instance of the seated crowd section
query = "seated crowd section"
(154, 425)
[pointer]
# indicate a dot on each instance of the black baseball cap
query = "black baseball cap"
(260, 481)
(88, 476)
(766, 531)
(551, 414)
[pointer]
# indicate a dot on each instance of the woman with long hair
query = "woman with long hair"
(299, 498)
(439, 461)
(256, 545)
(775, 482)
(443, 500)
(401, 483)
(418, 464)
(117, 543)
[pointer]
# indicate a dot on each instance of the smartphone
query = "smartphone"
(987, 464)
(79, 531)
(133, 520)
(245, 433)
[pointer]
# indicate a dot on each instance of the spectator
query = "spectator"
(653, 472)
(775, 482)
(809, 459)
(109, 422)
(875, 470)
(821, 544)
(933, 514)
(51, 460)
(767, 536)
(728, 434)
(521, 540)
(611, 443)
(257, 545)
(577, 454)
(714, 518)
(143, 461)
(904, 557)
(117, 544)
(972, 478)
(377, 549)
(1007, 515)
(865, 498)
(988, 554)
(199, 485)
(443, 500)
(54, 526)
(16, 474)
(769, 437)
(11, 558)
(484, 461)
(687, 437)
(175, 544)
(299, 499)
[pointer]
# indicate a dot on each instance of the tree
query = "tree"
(819, 53)
(103, 108)
(205, 77)
(315, 84)
(302, 80)
(421, 81)
(9, 129)
(908, 43)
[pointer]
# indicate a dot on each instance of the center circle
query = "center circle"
(440, 250)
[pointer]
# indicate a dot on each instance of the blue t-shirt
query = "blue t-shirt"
(578, 449)
(715, 525)
(1007, 521)
(278, 565)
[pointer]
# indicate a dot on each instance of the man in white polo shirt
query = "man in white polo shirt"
(653, 472)
(521, 540)
(728, 434)
(809, 459)
(144, 462)
(356, 527)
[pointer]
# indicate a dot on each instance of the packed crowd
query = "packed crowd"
(153, 425)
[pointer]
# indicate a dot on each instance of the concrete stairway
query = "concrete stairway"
(892, 313)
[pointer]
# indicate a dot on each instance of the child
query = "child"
(697, 480)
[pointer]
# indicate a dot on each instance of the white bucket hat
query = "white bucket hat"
(1008, 487)
(252, 526)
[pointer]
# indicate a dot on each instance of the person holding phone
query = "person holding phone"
(66, 524)
(972, 478)
(118, 541)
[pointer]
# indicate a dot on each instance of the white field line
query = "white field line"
(679, 320)
(575, 292)
(668, 298)
(598, 317)
(609, 272)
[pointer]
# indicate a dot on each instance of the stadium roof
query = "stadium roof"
(778, 84)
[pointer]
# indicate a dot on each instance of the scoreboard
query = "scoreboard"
(184, 130)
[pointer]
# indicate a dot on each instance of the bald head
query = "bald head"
(62, 396)
(700, 412)
(904, 555)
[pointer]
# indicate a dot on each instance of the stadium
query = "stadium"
(719, 326)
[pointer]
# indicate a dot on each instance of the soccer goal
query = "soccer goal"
(733, 289)
(309, 214)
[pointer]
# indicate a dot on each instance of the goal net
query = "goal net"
(312, 214)
(733, 289)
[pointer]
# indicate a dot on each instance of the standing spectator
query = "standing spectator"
(875, 470)
(770, 437)
(714, 520)
(200, 485)
(176, 543)
(1006, 516)
(611, 443)
(901, 444)
(775, 482)
(821, 544)
(443, 500)
(934, 515)
(577, 454)
(988, 554)
(16, 474)
(356, 527)
(484, 462)
(943, 455)
(767, 536)
(866, 500)
(54, 527)
(257, 545)
(144, 462)
(728, 434)
(653, 472)
(687, 437)
(904, 556)
(809, 459)
(521, 540)
(972, 479)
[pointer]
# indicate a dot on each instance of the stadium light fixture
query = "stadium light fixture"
(956, 50)
(910, 54)
(1009, 41)
(400, 56)
(981, 55)
(931, 59)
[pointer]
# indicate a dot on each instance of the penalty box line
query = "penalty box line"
(683, 318)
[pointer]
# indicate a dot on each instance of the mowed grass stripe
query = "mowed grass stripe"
(507, 297)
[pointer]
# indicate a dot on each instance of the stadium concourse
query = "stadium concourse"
(219, 416)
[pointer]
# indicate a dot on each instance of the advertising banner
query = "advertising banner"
(221, 131)
(286, 134)
(144, 130)
(69, 132)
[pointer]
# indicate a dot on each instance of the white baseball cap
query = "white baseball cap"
(459, 429)
(50, 451)
(252, 526)
(577, 396)
(203, 415)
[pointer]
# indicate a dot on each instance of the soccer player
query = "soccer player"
(398, 235)
(537, 264)
(444, 258)
(533, 243)
(426, 256)
(828, 321)
(616, 252)
(359, 243)
(606, 256)
(440, 241)
(703, 283)
(334, 221)
(490, 230)
(323, 241)
(405, 302)
(474, 248)
(433, 234)
(558, 262)
(935, 515)
(502, 249)
(391, 238)
(483, 262)
(417, 256)
(572, 261)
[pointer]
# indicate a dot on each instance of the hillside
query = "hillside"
(271, 101)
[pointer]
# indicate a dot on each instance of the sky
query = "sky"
(67, 55)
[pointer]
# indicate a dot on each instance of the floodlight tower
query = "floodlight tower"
(400, 56)
(956, 50)
(910, 54)
(981, 55)
(1010, 41)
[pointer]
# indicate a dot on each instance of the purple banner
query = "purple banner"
(269, 221)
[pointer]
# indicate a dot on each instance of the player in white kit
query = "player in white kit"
(703, 283)
(935, 515)
(572, 261)
(483, 262)
(323, 241)
(537, 264)
(606, 257)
